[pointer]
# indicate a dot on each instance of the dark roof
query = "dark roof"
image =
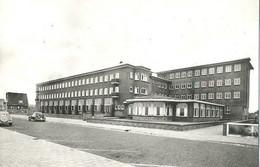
(16, 99)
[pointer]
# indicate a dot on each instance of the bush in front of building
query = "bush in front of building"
(243, 130)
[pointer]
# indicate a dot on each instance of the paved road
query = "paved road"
(140, 149)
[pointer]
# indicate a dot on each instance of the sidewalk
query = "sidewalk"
(210, 134)
(21, 150)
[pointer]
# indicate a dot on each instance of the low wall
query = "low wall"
(151, 118)
(155, 125)
(240, 128)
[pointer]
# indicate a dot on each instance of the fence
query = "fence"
(243, 129)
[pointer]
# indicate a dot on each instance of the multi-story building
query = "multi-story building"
(224, 83)
(100, 92)
(17, 102)
(103, 92)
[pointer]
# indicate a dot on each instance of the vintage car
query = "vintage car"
(5, 118)
(37, 116)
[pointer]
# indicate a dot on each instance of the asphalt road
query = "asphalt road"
(140, 149)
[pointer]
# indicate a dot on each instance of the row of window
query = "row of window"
(79, 82)
(92, 92)
(136, 76)
(203, 96)
(203, 84)
(205, 71)
(202, 110)
(138, 90)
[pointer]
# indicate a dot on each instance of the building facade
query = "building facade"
(224, 83)
(17, 102)
(103, 92)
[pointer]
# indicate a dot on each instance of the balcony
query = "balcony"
(114, 81)
(115, 95)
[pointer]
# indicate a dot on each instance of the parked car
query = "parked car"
(37, 116)
(5, 118)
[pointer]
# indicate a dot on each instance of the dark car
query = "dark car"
(37, 116)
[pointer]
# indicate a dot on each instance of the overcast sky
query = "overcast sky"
(48, 39)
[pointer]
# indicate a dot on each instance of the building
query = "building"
(158, 108)
(224, 83)
(103, 92)
(16, 102)
(98, 93)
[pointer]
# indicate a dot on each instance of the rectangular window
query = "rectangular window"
(105, 91)
(177, 86)
(212, 111)
(87, 81)
(72, 83)
(211, 96)
(79, 93)
(195, 110)
(202, 110)
(211, 83)
(189, 74)
(208, 111)
(91, 80)
(220, 69)
(196, 84)
(76, 93)
(146, 110)
(143, 91)
(183, 86)
(219, 95)
(177, 75)
(171, 76)
(227, 110)
(79, 82)
(203, 96)
(100, 79)
(212, 70)
(87, 92)
(117, 75)
(183, 97)
(228, 68)
(227, 82)
(111, 90)
(111, 76)
(196, 96)
(137, 76)
(106, 78)
(101, 91)
(204, 71)
(227, 95)
(91, 92)
(237, 95)
(236, 81)
(131, 75)
(237, 67)
(182, 112)
(136, 90)
(219, 82)
(117, 89)
(96, 92)
(76, 83)
(189, 85)
(204, 84)
(131, 89)
(183, 74)
(158, 111)
(83, 81)
(197, 73)
(83, 93)
(96, 79)
(189, 97)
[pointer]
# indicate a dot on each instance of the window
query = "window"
(131, 75)
(101, 91)
(143, 91)
(72, 94)
(83, 93)
(220, 69)
(217, 111)
(83, 81)
(117, 89)
(76, 83)
(181, 110)
(227, 82)
(158, 111)
(111, 89)
(96, 92)
(72, 83)
(79, 82)
(144, 77)
(131, 89)
(204, 84)
(196, 84)
(177, 86)
(117, 75)
(91, 80)
(96, 79)
(236, 81)
(237, 95)
(219, 83)
(136, 76)
(208, 111)
(76, 93)
(189, 96)
(183, 86)
(212, 70)
(171, 76)
(219, 95)
(105, 91)
(87, 92)
(189, 74)
(177, 75)
(87, 81)
(196, 110)
(91, 92)
(211, 96)
(111, 76)
(202, 110)
(196, 96)
(136, 90)
(228, 68)
(204, 71)
(177, 96)
(211, 83)
(183, 74)
(203, 96)
(183, 97)
(227, 95)
(68, 94)
(79, 93)
(189, 85)
(100, 78)
(237, 67)
(212, 111)
(146, 110)
(227, 110)
(106, 78)
(197, 73)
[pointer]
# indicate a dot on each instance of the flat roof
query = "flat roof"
(170, 100)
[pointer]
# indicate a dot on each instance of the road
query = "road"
(139, 149)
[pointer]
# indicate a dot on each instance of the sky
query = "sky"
(41, 40)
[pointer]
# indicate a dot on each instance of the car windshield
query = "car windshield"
(37, 113)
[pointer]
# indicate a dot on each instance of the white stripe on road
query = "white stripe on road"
(86, 149)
